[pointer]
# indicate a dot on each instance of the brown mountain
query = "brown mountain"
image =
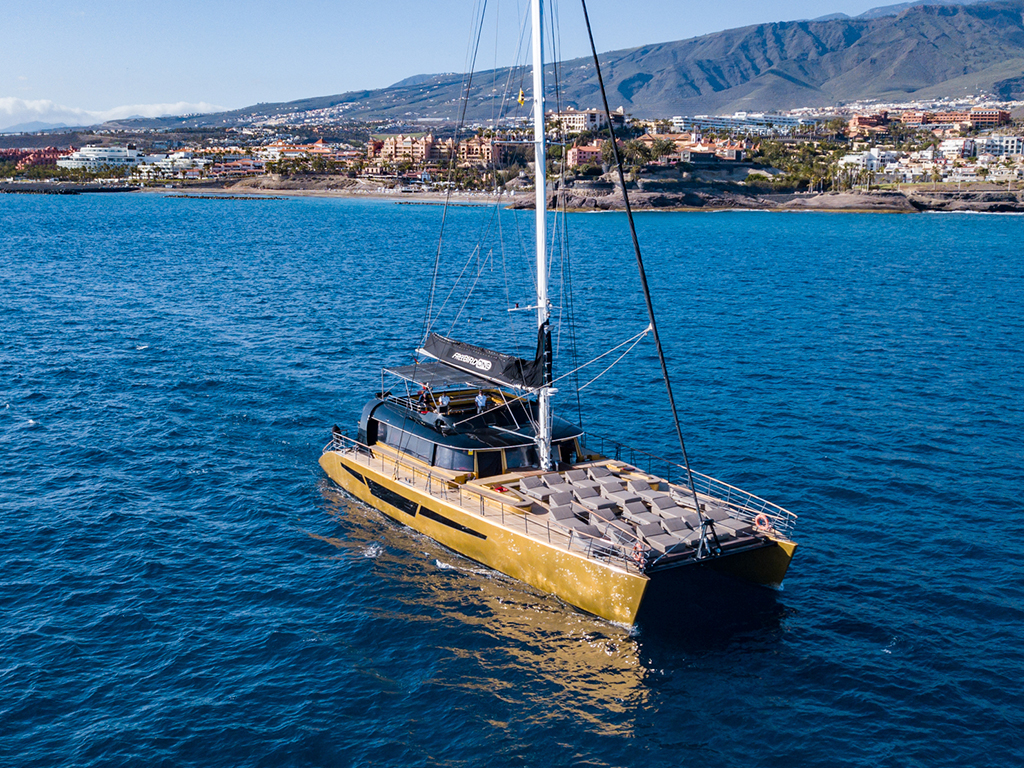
(922, 51)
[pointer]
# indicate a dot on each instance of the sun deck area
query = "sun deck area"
(605, 509)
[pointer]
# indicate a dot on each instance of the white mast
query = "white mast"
(540, 167)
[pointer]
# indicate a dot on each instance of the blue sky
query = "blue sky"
(82, 61)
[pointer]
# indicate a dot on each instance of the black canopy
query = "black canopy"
(496, 367)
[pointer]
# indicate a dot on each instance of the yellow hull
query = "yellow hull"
(601, 589)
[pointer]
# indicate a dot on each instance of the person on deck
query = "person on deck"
(421, 399)
(443, 402)
(481, 402)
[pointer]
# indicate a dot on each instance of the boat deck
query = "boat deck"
(605, 509)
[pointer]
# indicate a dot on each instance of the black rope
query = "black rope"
(705, 521)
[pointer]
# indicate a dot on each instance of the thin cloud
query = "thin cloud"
(14, 111)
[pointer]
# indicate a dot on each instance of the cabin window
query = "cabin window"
(488, 463)
(525, 456)
(450, 458)
(382, 432)
(412, 444)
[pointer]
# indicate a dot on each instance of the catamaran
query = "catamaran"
(465, 448)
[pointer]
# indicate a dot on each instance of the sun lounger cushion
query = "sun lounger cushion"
(665, 543)
(563, 512)
(580, 527)
(623, 497)
(675, 525)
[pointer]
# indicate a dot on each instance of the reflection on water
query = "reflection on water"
(523, 635)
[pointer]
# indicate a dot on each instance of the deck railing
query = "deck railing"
(472, 500)
(741, 504)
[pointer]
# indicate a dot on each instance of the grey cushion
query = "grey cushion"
(664, 506)
(717, 513)
(644, 519)
(563, 488)
(622, 498)
(598, 516)
(675, 525)
(564, 512)
(631, 509)
(541, 492)
(650, 529)
(666, 543)
(597, 473)
(637, 485)
(580, 527)
(531, 481)
(619, 531)
(561, 498)
(576, 476)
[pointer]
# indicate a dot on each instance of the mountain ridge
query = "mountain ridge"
(918, 51)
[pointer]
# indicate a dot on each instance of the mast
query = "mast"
(540, 166)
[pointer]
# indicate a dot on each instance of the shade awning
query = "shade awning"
(437, 376)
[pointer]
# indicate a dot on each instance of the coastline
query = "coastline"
(690, 198)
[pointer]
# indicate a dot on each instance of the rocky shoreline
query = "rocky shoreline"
(602, 196)
(705, 198)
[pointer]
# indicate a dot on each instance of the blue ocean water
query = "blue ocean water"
(181, 585)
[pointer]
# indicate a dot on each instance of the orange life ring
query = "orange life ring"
(762, 523)
(639, 553)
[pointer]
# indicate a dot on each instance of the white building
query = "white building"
(1000, 146)
(98, 158)
(579, 120)
(759, 123)
(873, 160)
(177, 165)
(953, 149)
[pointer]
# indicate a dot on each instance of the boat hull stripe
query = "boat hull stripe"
(390, 497)
(425, 512)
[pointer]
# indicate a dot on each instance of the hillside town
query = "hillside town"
(862, 146)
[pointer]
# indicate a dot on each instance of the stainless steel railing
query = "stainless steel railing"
(740, 504)
(470, 500)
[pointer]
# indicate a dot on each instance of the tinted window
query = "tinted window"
(411, 444)
(449, 458)
(521, 457)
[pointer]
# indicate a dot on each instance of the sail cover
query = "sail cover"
(507, 370)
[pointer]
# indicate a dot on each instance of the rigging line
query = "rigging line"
(568, 316)
(454, 286)
(631, 339)
(477, 252)
(602, 373)
(467, 84)
(482, 261)
(512, 69)
(705, 521)
(498, 407)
